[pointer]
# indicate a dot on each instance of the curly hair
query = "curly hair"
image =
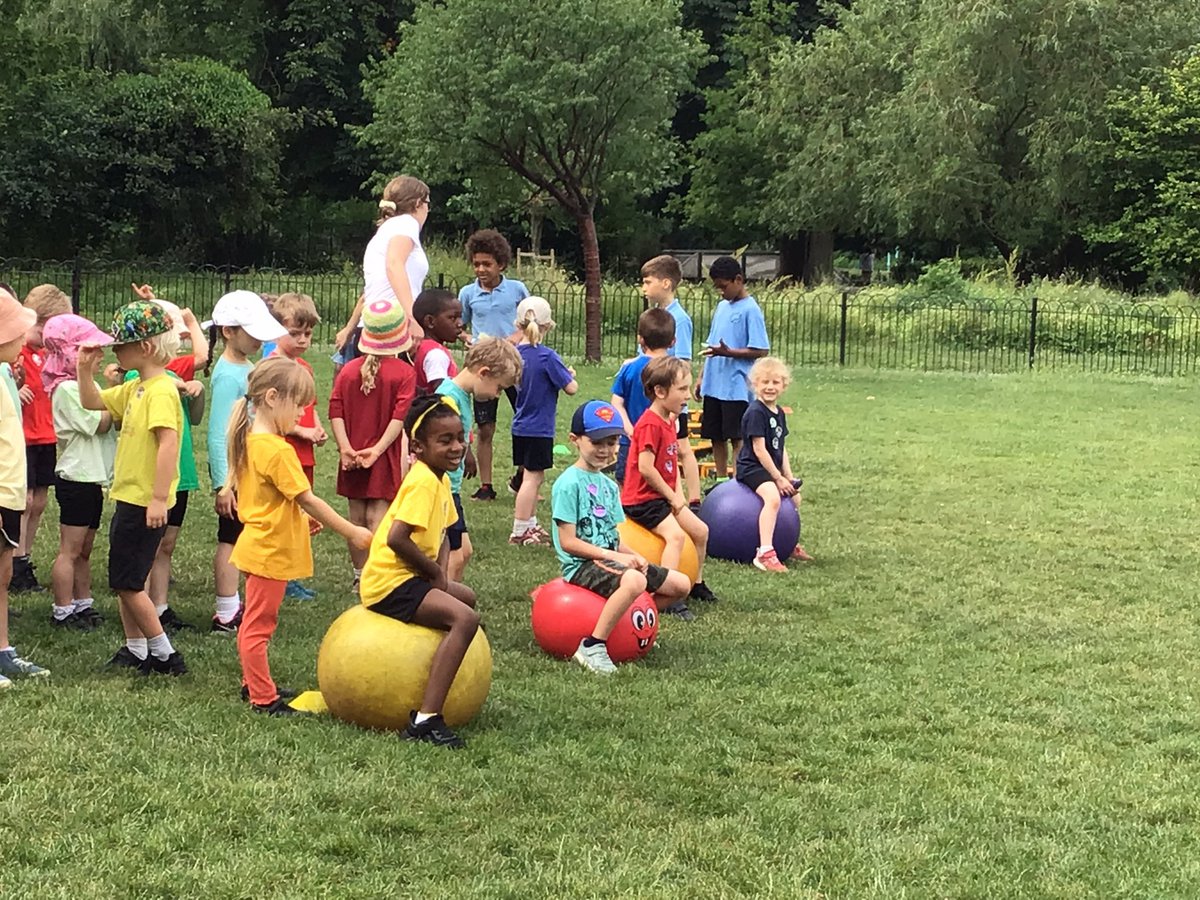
(491, 242)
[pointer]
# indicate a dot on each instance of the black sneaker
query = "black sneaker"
(485, 492)
(701, 592)
(24, 580)
(284, 693)
(230, 627)
(514, 483)
(278, 707)
(680, 610)
(73, 622)
(172, 665)
(90, 615)
(124, 659)
(171, 623)
(432, 731)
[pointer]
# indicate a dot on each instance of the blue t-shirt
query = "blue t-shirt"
(739, 324)
(543, 376)
(628, 386)
(591, 502)
(466, 410)
(492, 313)
(228, 386)
(759, 421)
(683, 331)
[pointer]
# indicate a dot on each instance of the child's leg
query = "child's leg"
(456, 565)
(720, 457)
(483, 451)
(460, 621)
(769, 493)
(139, 617)
(690, 469)
(633, 583)
(6, 559)
(525, 506)
(35, 505)
(736, 447)
(160, 572)
(264, 596)
(356, 512)
(673, 589)
(695, 528)
(225, 575)
(674, 538)
(64, 576)
(82, 580)
(376, 510)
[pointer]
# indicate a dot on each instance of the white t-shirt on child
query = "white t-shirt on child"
(416, 267)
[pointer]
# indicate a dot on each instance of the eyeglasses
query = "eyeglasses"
(428, 205)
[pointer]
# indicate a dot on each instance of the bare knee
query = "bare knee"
(466, 620)
(633, 580)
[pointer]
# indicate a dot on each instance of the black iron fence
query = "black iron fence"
(876, 327)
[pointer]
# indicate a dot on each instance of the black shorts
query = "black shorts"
(40, 460)
(533, 453)
(402, 602)
(178, 511)
(138, 545)
(486, 410)
(10, 528)
(454, 534)
(755, 478)
(228, 530)
(681, 426)
(80, 504)
(604, 577)
(650, 513)
(722, 419)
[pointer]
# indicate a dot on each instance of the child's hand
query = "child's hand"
(189, 317)
(314, 527)
(113, 374)
(156, 514)
(720, 349)
(18, 373)
(26, 394)
(571, 370)
(319, 436)
(696, 390)
(88, 360)
(144, 291)
(786, 488)
(343, 335)
(349, 459)
(471, 465)
(360, 538)
(192, 388)
(226, 504)
(368, 457)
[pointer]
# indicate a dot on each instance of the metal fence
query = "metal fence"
(877, 327)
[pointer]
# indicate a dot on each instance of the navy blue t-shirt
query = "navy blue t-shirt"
(543, 376)
(758, 421)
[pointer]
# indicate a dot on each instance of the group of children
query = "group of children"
(402, 415)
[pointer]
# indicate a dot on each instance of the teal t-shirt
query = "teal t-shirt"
(189, 478)
(592, 502)
(466, 409)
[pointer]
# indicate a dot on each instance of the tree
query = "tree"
(570, 98)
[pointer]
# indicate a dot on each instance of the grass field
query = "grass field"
(984, 687)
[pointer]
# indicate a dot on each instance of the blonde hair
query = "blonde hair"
(533, 330)
(369, 371)
(47, 300)
(163, 347)
(664, 266)
(770, 365)
(300, 308)
(285, 376)
(403, 194)
(498, 356)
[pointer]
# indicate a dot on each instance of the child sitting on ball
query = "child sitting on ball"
(762, 461)
(586, 507)
(650, 493)
(405, 575)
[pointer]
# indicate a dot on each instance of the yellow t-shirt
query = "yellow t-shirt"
(12, 444)
(275, 542)
(139, 407)
(424, 502)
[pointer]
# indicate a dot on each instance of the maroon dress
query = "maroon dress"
(366, 417)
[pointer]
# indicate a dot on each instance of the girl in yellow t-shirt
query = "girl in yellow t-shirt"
(273, 497)
(405, 574)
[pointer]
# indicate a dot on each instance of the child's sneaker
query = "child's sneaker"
(701, 592)
(529, 537)
(13, 666)
(5, 682)
(514, 483)
(485, 492)
(73, 622)
(282, 692)
(172, 665)
(93, 617)
(230, 627)
(595, 658)
(768, 561)
(277, 707)
(171, 623)
(433, 730)
(124, 659)
(799, 554)
(680, 610)
(297, 591)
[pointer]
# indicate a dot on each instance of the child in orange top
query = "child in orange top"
(273, 497)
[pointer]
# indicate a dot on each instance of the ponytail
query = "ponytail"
(370, 369)
(213, 331)
(531, 329)
(235, 442)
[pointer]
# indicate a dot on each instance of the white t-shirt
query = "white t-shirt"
(83, 454)
(437, 365)
(416, 267)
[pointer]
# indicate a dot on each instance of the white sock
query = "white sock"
(159, 610)
(357, 574)
(762, 550)
(422, 717)
(85, 603)
(138, 647)
(62, 612)
(160, 646)
(227, 607)
(8, 649)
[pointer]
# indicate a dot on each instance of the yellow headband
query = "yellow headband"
(442, 399)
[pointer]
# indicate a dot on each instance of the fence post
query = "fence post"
(76, 284)
(441, 281)
(228, 278)
(842, 329)
(1033, 313)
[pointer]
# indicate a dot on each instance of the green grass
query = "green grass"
(984, 687)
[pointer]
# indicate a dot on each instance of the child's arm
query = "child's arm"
(166, 464)
(198, 338)
(618, 403)
(194, 391)
(105, 424)
(343, 335)
(653, 478)
(783, 480)
(356, 536)
(400, 542)
(85, 372)
(443, 559)
(576, 546)
(368, 457)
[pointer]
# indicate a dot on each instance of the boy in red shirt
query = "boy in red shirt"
(41, 444)
(650, 494)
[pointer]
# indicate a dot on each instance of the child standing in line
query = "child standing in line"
(145, 474)
(46, 301)
(87, 444)
(737, 337)
(405, 576)
(274, 495)
(15, 321)
(544, 374)
(489, 305)
(492, 365)
(656, 334)
(370, 398)
(243, 321)
(587, 510)
(298, 314)
(661, 277)
(763, 463)
(439, 314)
(650, 494)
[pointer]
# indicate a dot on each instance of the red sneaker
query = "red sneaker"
(799, 554)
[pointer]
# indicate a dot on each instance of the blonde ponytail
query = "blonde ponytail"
(531, 329)
(370, 369)
(235, 442)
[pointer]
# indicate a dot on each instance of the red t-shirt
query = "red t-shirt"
(37, 415)
(308, 419)
(184, 367)
(652, 432)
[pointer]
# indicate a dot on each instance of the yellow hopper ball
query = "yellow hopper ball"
(650, 545)
(372, 670)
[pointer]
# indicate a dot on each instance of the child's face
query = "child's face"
(130, 357)
(285, 412)
(443, 445)
(487, 270)
(12, 350)
(239, 341)
(657, 289)
(675, 398)
(729, 288)
(489, 386)
(297, 341)
(33, 337)
(768, 386)
(596, 454)
(446, 325)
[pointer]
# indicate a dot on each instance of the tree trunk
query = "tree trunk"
(590, 245)
(818, 267)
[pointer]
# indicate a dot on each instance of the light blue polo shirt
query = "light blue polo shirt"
(683, 331)
(492, 313)
(739, 324)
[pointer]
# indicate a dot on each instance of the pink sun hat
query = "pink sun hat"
(62, 337)
(15, 319)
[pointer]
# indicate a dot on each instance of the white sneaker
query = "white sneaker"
(5, 682)
(595, 659)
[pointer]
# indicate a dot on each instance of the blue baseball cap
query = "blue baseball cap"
(596, 419)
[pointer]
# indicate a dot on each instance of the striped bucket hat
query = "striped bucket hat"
(385, 328)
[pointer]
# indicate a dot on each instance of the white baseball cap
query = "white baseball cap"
(247, 310)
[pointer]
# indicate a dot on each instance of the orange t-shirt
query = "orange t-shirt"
(275, 542)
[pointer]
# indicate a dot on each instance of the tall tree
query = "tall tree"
(571, 98)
